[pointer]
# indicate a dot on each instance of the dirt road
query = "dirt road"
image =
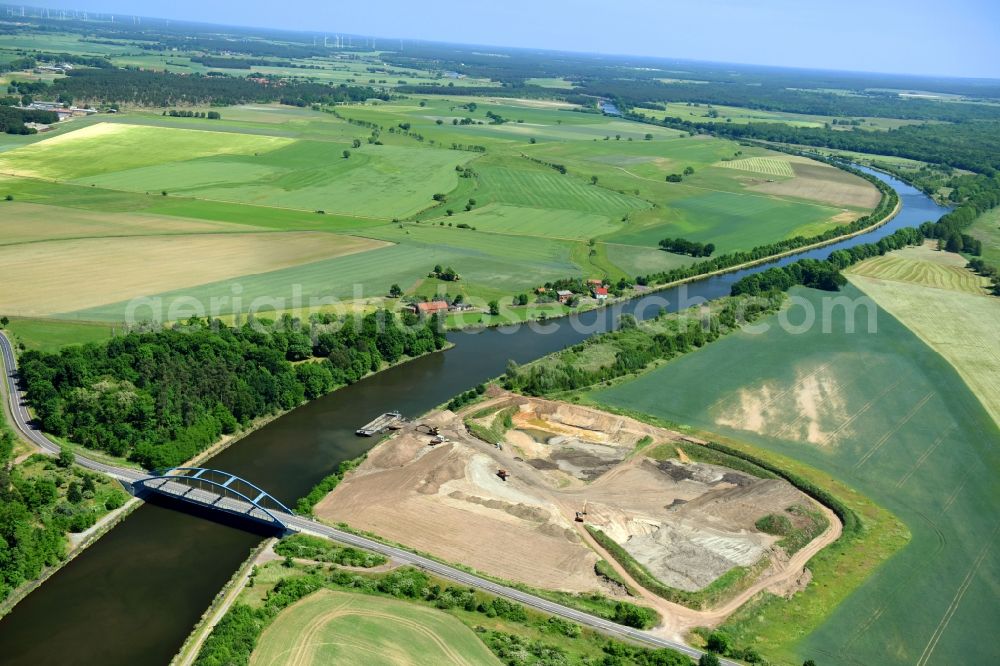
(678, 619)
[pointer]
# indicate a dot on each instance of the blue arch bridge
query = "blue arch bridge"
(216, 489)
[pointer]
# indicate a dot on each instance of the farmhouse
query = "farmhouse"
(429, 308)
(45, 106)
(564, 295)
(600, 293)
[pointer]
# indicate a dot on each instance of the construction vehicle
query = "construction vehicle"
(581, 514)
(503, 474)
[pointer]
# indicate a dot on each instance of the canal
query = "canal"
(132, 597)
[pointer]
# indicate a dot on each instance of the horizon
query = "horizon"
(965, 49)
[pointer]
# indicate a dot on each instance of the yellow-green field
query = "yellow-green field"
(330, 627)
(946, 305)
(922, 266)
(51, 335)
(105, 147)
(62, 276)
(30, 223)
(771, 166)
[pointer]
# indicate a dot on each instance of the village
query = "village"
(571, 293)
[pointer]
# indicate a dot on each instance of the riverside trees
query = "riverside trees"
(158, 398)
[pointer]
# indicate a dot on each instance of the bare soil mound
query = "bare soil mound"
(686, 522)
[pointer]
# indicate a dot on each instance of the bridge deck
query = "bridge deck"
(207, 498)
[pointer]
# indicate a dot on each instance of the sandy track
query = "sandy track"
(677, 619)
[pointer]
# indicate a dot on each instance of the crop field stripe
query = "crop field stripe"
(771, 166)
(885, 438)
(905, 269)
(856, 415)
(924, 456)
(958, 491)
(543, 190)
(738, 193)
(957, 599)
(369, 625)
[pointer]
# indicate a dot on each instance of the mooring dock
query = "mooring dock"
(380, 424)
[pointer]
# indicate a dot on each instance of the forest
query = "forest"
(40, 500)
(159, 397)
(147, 88)
(973, 146)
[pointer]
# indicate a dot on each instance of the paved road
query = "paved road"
(22, 421)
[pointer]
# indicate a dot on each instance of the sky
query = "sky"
(957, 38)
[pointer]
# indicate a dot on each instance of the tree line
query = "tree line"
(947, 230)
(159, 397)
(147, 88)
(684, 246)
(187, 113)
(822, 273)
(971, 145)
(637, 345)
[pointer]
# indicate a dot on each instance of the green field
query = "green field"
(338, 627)
(891, 419)
(547, 189)
(635, 260)
(986, 228)
(281, 169)
(113, 147)
(710, 218)
(546, 223)
(307, 175)
(51, 335)
(699, 113)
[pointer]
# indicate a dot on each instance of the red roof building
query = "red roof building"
(432, 306)
(600, 293)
